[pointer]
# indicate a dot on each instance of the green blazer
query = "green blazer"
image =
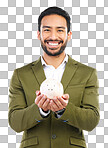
(82, 111)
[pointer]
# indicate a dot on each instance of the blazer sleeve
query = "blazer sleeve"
(87, 116)
(20, 116)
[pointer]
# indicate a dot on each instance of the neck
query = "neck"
(55, 61)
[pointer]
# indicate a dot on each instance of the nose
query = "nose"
(53, 35)
(50, 89)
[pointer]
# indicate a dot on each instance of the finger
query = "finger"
(38, 98)
(49, 107)
(41, 102)
(58, 103)
(45, 104)
(65, 96)
(54, 107)
(38, 93)
(63, 102)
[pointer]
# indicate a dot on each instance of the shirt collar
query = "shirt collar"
(64, 61)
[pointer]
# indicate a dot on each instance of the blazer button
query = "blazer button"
(53, 136)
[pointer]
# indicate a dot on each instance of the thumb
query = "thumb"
(65, 96)
(38, 92)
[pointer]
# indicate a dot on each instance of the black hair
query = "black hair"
(54, 10)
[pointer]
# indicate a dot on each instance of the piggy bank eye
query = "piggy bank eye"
(47, 84)
(54, 85)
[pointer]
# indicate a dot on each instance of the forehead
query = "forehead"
(53, 20)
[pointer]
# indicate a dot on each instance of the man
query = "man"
(57, 122)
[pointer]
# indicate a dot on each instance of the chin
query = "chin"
(53, 51)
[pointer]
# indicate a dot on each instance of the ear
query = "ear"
(69, 35)
(38, 35)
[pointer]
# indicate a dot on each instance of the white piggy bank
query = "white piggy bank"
(51, 87)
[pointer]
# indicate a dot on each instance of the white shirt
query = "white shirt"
(52, 72)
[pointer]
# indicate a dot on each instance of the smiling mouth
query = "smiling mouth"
(53, 44)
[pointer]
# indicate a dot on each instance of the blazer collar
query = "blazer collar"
(69, 71)
(45, 64)
(38, 71)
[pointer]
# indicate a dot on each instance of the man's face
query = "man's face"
(53, 34)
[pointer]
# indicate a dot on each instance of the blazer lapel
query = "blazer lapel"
(38, 71)
(69, 72)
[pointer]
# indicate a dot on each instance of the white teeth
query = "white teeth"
(53, 44)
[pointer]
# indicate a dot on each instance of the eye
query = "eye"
(60, 30)
(46, 30)
(54, 85)
(47, 84)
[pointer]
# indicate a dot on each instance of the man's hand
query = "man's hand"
(59, 103)
(55, 104)
(42, 101)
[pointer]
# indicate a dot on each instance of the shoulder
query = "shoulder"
(82, 69)
(24, 69)
(83, 72)
(27, 67)
(80, 65)
(85, 67)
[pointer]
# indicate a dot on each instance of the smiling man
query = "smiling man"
(53, 34)
(57, 122)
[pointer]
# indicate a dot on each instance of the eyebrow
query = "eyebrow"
(51, 27)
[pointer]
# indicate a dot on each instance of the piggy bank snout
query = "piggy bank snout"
(50, 89)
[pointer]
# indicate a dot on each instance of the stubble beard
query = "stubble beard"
(56, 53)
